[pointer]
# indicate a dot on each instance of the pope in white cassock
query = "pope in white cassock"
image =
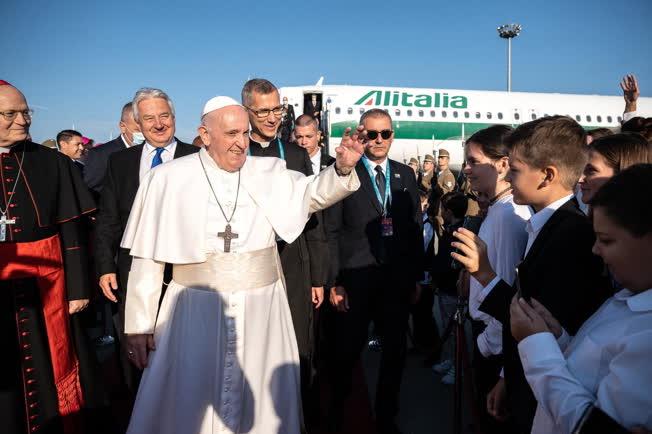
(220, 354)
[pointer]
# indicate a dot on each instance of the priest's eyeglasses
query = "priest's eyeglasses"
(10, 115)
(385, 134)
(263, 113)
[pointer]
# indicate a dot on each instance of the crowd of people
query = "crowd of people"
(243, 271)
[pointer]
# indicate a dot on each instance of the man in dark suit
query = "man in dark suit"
(98, 157)
(558, 269)
(313, 108)
(154, 113)
(302, 260)
(377, 261)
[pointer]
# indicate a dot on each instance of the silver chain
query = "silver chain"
(237, 193)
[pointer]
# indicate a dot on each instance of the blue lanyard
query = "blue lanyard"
(388, 190)
(281, 149)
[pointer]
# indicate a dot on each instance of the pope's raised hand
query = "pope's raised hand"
(350, 150)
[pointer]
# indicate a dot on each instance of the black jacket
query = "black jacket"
(562, 273)
(96, 161)
(353, 228)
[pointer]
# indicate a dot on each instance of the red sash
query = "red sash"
(43, 260)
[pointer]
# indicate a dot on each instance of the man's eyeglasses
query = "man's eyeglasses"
(263, 113)
(385, 134)
(11, 114)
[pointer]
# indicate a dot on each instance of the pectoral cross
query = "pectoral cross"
(228, 236)
(3, 226)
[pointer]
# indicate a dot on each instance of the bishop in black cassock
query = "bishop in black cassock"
(43, 268)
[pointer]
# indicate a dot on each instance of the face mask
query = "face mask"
(138, 138)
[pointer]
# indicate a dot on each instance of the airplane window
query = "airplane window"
(546, 115)
(610, 119)
(443, 113)
(349, 110)
(599, 118)
(421, 113)
(466, 115)
(337, 110)
(500, 115)
(588, 118)
(386, 110)
(455, 114)
(409, 112)
(397, 112)
(534, 116)
(578, 118)
(489, 115)
(477, 115)
(517, 116)
(361, 110)
(432, 113)
(620, 119)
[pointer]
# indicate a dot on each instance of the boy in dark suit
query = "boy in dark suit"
(558, 268)
(376, 247)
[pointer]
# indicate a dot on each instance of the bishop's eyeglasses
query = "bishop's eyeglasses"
(263, 113)
(10, 115)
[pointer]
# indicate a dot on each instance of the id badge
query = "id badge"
(386, 228)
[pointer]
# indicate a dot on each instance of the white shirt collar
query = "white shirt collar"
(149, 148)
(640, 302)
(5, 149)
(383, 165)
(538, 220)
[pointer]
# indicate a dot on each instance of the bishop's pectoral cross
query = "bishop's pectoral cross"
(3, 226)
(228, 235)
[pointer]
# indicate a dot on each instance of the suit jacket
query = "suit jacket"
(118, 193)
(96, 161)
(311, 109)
(353, 229)
(562, 273)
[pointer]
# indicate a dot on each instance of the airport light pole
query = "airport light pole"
(509, 32)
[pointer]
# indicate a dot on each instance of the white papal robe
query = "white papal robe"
(226, 358)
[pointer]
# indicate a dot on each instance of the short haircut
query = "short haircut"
(456, 202)
(146, 93)
(625, 199)
(66, 135)
(256, 85)
(375, 113)
(126, 110)
(622, 150)
(640, 125)
(306, 121)
(492, 141)
(556, 141)
(596, 133)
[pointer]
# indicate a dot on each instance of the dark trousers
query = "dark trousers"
(374, 294)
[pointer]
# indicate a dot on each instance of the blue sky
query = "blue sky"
(80, 61)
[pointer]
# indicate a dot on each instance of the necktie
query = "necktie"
(380, 183)
(157, 158)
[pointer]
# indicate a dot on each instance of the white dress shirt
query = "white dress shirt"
(503, 230)
(316, 162)
(147, 156)
(608, 364)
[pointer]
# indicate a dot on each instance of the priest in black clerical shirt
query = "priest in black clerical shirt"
(305, 273)
(43, 277)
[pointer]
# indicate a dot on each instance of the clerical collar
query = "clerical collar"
(262, 144)
(6, 149)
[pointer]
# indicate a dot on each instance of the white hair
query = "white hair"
(146, 93)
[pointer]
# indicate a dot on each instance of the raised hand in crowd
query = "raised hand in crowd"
(631, 92)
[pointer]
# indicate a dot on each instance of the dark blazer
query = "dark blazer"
(353, 228)
(96, 161)
(118, 194)
(562, 273)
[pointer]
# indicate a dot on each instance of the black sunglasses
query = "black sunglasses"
(385, 134)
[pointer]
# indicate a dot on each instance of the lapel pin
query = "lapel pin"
(397, 175)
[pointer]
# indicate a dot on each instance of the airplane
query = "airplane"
(426, 120)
